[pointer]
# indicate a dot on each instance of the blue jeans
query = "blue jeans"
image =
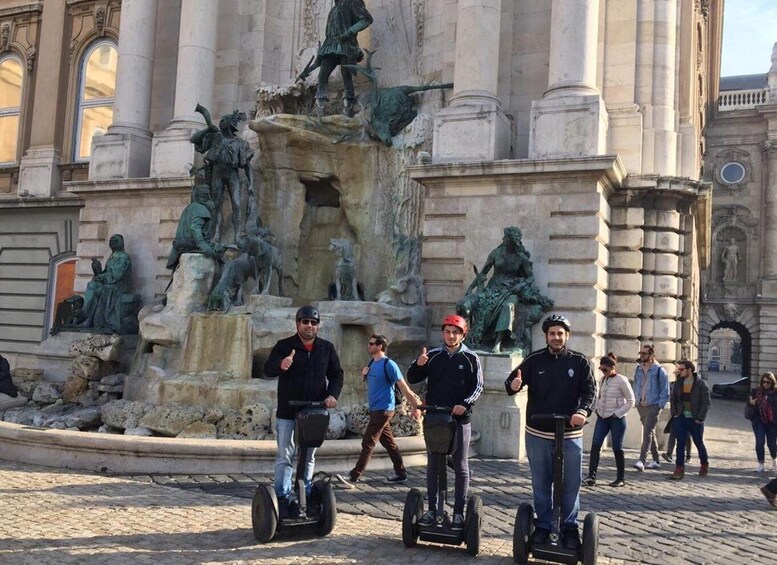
(540, 452)
(682, 427)
(284, 461)
(764, 433)
(606, 425)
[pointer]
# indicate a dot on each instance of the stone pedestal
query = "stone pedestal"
(471, 133)
(500, 419)
(118, 155)
(574, 126)
(172, 153)
(39, 171)
(220, 343)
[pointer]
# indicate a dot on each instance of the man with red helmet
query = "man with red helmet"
(455, 378)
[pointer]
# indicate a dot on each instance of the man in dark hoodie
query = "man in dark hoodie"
(307, 368)
(560, 381)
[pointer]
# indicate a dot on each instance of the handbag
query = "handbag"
(751, 412)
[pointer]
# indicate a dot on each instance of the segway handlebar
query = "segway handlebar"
(435, 408)
(542, 418)
(315, 403)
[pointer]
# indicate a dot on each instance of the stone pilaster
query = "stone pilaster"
(474, 127)
(125, 151)
(571, 119)
(172, 152)
(769, 281)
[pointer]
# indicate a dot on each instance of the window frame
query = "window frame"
(82, 104)
(15, 111)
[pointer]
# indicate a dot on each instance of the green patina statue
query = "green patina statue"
(195, 228)
(502, 310)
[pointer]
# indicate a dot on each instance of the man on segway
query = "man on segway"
(455, 378)
(560, 382)
(307, 368)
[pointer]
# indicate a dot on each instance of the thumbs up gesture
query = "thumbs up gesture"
(287, 361)
(423, 358)
(515, 384)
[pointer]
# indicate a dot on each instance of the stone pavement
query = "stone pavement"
(53, 516)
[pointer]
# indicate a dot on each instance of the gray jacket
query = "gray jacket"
(700, 398)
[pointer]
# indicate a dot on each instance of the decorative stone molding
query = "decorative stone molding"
(5, 37)
(735, 216)
(420, 23)
(19, 32)
(732, 155)
(90, 20)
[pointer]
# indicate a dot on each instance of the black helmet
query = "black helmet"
(555, 320)
(308, 312)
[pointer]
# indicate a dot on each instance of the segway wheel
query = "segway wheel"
(590, 539)
(522, 531)
(414, 509)
(473, 524)
(323, 494)
(264, 513)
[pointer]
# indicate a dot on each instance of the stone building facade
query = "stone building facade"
(579, 121)
(740, 289)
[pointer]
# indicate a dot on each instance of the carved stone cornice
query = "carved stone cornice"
(735, 216)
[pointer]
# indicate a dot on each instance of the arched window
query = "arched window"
(11, 77)
(96, 88)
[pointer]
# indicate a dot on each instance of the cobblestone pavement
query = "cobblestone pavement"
(53, 516)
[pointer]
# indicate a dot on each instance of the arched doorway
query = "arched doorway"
(730, 348)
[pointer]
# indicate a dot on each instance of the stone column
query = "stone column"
(125, 151)
(570, 120)
(474, 127)
(172, 152)
(39, 167)
(769, 281)
(664, 79)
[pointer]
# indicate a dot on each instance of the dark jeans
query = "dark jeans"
(604, 426)
(764, 433)
(379, 429)
(460, 458)
(683, 426)
(672, 442)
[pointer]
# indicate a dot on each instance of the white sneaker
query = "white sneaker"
(759, 468)
(639, 466)
(654, 465)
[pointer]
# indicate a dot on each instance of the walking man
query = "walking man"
(381, 375)
(307, 368)
(651, 388)
(560, 381)
(689, 404)
(455, 378)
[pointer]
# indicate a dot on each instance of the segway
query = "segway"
(318, 513)
(554, 550)
(439, 431)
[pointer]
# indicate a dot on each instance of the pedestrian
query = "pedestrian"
(670, 445)
(454, 378)
(382, 375)
(651, 387)
(560, 381)
(690, 402)
(307, 368)
(615, 399)
(769, 490)
(763, 403)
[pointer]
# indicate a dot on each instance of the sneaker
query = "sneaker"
(704, 469)
(571, 538)
(396, 478)
(589, 481)
(667, 457)
(770, 496)
(428, 519)
(458, 522)
(654, 465)
(618, 483)
(540, 536)
(639, 466)
(678, 475)
(347, 481)
(759, 468)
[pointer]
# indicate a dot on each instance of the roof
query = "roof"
(743, 82)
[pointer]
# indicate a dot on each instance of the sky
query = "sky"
(749, 33)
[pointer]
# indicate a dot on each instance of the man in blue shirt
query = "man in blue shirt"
(651, 390)
(381, 375)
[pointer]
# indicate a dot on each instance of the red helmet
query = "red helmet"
(454, 320)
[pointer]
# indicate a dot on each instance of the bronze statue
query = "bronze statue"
(195, 228)
(266, 258)
(345, 286)
(504, 309)
(345, 20)
(225, 155)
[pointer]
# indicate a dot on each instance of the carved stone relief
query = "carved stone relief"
(732, 156)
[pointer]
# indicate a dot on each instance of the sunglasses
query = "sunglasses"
(604, 369)
(308, 322)
(766, 382)
(372, 343)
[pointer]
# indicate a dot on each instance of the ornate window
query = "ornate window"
(11, 78)
(96, 88)
(732, 173)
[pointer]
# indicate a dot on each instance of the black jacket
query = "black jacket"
(560, 383)
(700, 398)
(313, 375)
(453, 379)
(6, 384)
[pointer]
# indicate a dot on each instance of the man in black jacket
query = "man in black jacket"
(560, 381)
(307, 368)
(690, 402)
(455, 379)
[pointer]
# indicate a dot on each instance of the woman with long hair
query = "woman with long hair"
(764, 400)
(615, 399)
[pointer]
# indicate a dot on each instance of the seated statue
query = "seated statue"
(105, 304)
(504, 309)
(69, 312)
(195, 228)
